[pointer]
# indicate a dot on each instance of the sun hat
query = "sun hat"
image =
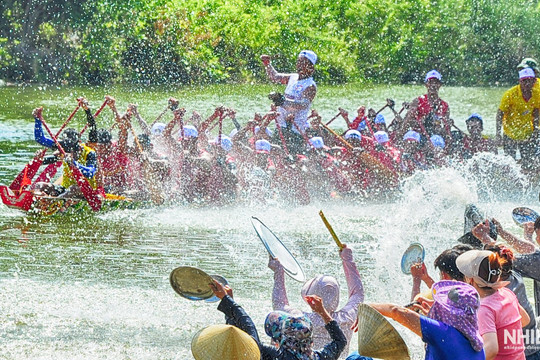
(226, 142)
(412, 136)
(381, 137)
(438, 141)
(310, 55)
(379, 119)
(470, 264)
(190, 131)
(354, 134)
(262, 146)
(157, 128)
(377, 337)
(326, 287)
(317, 142)
(224, 342)
(526, 73)
(297, 333)
(433, 74)
(528, 62)
(273, 324)
(456, 304)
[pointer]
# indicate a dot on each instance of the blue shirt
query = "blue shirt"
(444, 342)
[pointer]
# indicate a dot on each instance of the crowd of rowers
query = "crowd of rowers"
(289, 153)
(479, 309)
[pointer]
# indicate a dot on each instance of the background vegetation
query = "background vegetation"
(213, 41)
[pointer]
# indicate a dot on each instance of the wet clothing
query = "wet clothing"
(444, 342)
(426, 115)
(86, 161)
(499, 313)
(345, 317)
(295, 93)
(237, 316)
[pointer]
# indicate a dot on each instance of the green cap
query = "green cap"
(528, 63)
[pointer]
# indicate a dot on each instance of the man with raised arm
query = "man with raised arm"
(299, 94)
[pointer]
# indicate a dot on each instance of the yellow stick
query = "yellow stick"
(329, 227)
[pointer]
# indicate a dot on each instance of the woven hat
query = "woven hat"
(224, 342)
(377, 337)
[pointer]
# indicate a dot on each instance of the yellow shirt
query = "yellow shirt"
(68, 179)
(518, 114)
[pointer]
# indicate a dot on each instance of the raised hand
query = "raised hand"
(110, 101)
(37, 112)
(218, 289)
(265, 60)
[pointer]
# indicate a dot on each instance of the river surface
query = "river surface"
(97, 286)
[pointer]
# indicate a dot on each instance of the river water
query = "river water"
(96, 286)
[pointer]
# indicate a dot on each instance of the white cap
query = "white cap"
(412, 135)
(381, 137)
(379, 119)
(355, 134)
(190, 131)
(438, 141)
(310, 55)
(233, 132)
(262, 146)
(226, 142)
(526, 73)
(157, 128)
(317, 142)
(433, 74)
(469, 264)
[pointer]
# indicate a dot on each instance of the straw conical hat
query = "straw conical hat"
(224, 342)
(377, 337)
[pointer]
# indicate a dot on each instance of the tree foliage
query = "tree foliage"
(213, 41)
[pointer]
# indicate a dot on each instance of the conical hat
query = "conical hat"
(377, 337)
(191, 283)
(224, 342)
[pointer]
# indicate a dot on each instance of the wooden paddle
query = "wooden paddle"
(331, 230)
(148, 171)
(368, 160)
(92, 196)
(33, 166)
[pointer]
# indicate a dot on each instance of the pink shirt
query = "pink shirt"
(499, 313)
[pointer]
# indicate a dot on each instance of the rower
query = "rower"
(429, 114)
(78, 154)
(475, 142)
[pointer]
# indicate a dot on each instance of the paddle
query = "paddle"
(331, 230)
(155, 193)
(334, 118)
(366, 158)
(92, 196)
(33, 166)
